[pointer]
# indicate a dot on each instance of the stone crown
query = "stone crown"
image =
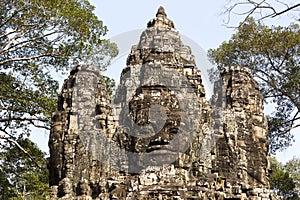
(161, 20)
(161, 12)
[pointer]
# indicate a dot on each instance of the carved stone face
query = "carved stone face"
(157, 112)
(238, 89)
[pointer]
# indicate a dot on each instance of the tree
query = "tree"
(293, 168)
(262, 9)
(20, 178)
(39, 39)
(110, 85)
(281, 180)
(273, 54)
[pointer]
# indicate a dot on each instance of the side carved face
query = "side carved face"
(238, 90)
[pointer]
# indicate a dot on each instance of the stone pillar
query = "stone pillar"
(242, 146)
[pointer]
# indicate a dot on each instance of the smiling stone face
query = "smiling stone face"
(159, 114)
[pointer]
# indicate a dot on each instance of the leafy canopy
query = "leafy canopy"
(273, 54)
(38, 40)
(284, 179)
(19, 176)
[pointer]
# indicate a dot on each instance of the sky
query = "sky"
(201, 24)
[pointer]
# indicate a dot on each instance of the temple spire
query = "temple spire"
(161, 12)
(161, 20)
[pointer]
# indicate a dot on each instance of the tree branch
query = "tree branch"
(12, 16)
(286, 10)
(21, 148)
(25, 58)
(258, 6)
(23, 119)
(23, 43)
(287, 94)
(289, 129)
(14, 109)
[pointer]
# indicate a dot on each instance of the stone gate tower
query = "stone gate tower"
(160, 138)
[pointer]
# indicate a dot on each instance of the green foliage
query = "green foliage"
(110, 85)
(39, 40)
(293, 168)
(281, 180)
(19, 176)
(273, 54)
(219, 179)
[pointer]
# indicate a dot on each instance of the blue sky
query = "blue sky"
(195, 19)
(199, 21)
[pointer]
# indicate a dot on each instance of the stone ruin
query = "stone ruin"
(160, 138)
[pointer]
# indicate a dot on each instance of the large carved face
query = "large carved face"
(238, 91)
(157, 113)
